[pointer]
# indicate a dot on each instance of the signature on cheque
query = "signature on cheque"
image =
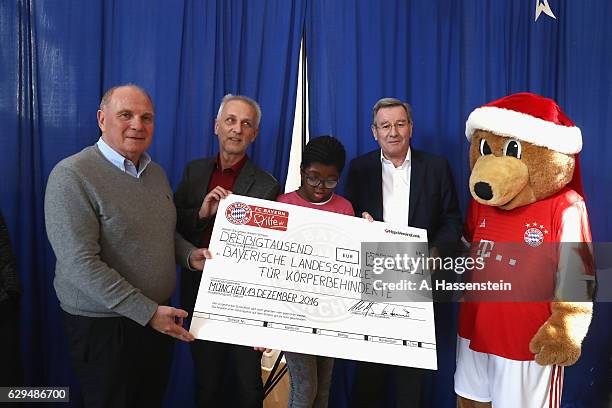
(383, 310)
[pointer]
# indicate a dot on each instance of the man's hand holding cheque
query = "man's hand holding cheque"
(198, 257)
(211, 202)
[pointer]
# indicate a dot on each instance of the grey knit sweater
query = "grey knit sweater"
(113, 236)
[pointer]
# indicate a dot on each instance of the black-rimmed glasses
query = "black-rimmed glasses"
(315, 182)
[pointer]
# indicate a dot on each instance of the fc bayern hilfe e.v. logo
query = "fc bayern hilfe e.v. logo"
(243, 214)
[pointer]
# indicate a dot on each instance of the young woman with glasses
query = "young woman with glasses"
(322, 162)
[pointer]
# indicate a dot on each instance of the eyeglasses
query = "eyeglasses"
(315, 182)
(386, 127)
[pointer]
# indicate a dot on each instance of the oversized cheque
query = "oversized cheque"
(290, 278)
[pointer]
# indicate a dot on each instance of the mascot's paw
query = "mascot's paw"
(559, 340)
(551, 347)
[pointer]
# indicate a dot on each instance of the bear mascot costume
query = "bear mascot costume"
(527, 220)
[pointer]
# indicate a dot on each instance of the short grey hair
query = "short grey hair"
(229, 97)
(106, 98)
(390, 103)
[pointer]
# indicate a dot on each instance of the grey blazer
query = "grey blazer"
(251, 181)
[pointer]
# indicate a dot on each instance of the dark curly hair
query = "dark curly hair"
(325, 150)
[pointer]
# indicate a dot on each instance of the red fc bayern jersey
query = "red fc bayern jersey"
(518, 247)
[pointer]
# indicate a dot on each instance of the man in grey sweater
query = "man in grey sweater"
(111, 221)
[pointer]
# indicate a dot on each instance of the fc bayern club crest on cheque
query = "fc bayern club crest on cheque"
(534, 234)
(238, 213)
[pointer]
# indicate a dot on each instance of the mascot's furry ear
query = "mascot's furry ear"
(531, 118)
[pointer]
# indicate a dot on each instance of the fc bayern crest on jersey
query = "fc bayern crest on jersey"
(238, 213)
(534, 236)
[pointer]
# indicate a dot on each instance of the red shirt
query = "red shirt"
(336, 204)
(510, 241)
(225, 178)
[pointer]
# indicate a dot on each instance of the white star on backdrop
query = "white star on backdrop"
(543, 6)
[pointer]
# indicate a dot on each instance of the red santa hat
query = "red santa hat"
(528, 117)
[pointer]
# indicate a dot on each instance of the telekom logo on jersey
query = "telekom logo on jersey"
(485, 250)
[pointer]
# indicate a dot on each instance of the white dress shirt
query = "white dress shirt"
(396, 190)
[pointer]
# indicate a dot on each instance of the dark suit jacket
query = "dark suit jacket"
(251, 181)
(433, 201)
(433, 206)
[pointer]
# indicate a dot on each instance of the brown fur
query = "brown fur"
(559, 340)
(467, 403)
(547, 172)
(515, 182)
(507, 177)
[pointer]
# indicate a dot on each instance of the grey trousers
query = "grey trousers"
(310, 380)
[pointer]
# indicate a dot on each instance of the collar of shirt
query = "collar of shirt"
(121, 162)
(389, 167)
(227, 177)
(233, 169)
(320, 203)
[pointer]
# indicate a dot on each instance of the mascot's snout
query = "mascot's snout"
(496, 180)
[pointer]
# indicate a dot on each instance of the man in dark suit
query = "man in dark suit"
(205, 182)
(400, 185)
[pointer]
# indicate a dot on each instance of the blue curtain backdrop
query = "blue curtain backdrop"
(56, 60)
(445, 57)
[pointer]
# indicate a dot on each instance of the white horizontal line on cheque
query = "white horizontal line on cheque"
(314, 330)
